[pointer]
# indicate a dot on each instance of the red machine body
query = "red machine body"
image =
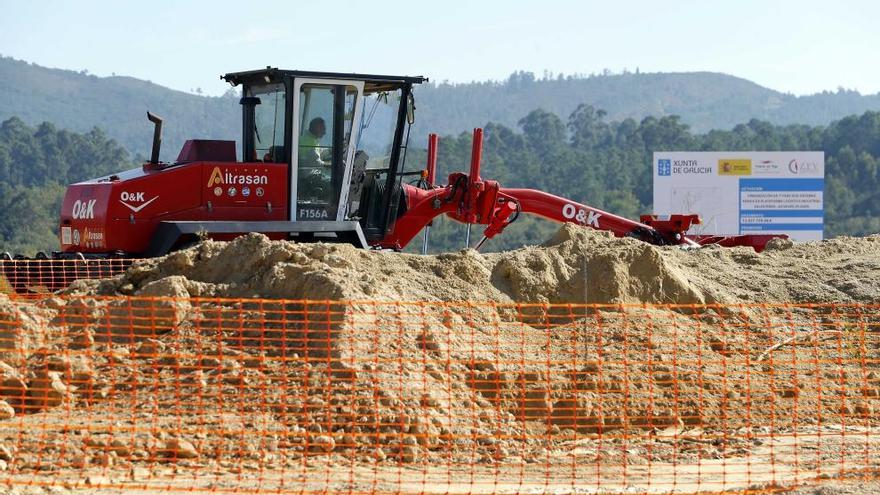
(120, 213)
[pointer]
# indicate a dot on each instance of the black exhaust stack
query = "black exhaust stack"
(157, 137)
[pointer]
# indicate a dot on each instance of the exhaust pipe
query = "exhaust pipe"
(157, 137)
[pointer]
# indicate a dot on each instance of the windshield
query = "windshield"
(377, 128)
(269, 122)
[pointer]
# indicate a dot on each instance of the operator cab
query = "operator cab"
(343, 135)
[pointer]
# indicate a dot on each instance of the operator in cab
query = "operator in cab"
(310, 143)
(314, 163)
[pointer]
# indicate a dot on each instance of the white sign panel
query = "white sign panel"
(744, 192)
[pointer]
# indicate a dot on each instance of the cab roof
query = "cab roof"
(271, 74)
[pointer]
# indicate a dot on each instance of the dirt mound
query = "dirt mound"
(576, 266)
(253, 266)
(584, 266)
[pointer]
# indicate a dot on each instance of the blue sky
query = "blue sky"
(799, 47)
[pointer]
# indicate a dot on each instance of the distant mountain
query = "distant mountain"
(704, 100)
(78, 101)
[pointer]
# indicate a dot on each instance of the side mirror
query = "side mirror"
(410, 109)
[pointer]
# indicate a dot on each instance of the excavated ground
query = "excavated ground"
(261, 385)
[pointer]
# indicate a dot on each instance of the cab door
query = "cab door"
(323, 147)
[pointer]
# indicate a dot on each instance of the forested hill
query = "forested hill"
(78, 101)
(704, 100)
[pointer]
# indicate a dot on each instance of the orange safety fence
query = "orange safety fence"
(37, 277)
(365, 397)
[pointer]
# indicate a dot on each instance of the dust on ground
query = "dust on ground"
(467, 379)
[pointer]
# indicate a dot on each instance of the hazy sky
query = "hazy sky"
(801, 46)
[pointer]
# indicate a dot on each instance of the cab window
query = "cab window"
(325, 123)
(378, 124)
(269, 122)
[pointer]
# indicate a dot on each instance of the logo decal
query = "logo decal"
(218, 191)
(669, 167)
(664, 167)
(136, 198)
(245, 191)
(797, 167)
(736, 166)
(581, 216)
(216, 177)
(260, 192)
(92, 238)
(221, 178)
(766, 167)
(84, 210)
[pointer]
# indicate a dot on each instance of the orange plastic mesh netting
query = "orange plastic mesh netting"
(249, 395)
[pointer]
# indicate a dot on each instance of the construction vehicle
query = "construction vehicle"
(322, 159)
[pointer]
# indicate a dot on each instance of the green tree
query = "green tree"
(35, 166)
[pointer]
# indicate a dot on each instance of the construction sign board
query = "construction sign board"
(744, 192)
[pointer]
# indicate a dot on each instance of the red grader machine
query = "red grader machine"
(323, 159)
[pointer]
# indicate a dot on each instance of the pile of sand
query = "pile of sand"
(576, 266)
(376, 379)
